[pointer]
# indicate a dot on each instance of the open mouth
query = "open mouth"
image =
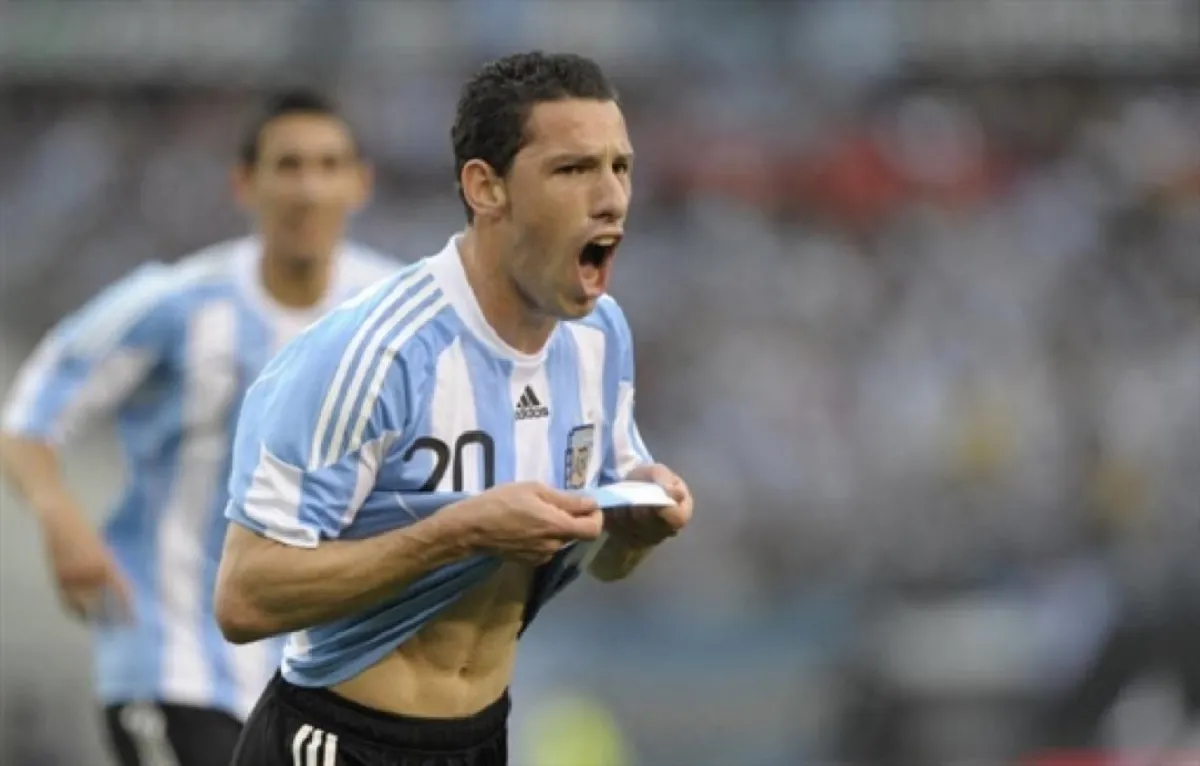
(594, 261)
(598, 251)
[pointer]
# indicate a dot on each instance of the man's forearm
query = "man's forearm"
(616, 559)
(267, 588)
(32, 469)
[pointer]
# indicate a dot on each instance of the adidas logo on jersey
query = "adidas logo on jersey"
(530, 407)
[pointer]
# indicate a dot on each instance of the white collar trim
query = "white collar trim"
(447, 268)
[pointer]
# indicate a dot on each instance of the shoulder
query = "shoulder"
(196, 276)
(212, 265)
(349, 375)
(153, 298)
(391, 321)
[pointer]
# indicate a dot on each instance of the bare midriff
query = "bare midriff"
(459, 663)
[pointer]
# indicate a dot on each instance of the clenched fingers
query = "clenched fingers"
(587, 526)
(574, 504)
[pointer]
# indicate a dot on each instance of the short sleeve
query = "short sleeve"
(95, 358)
(626, 450)
(313, 432)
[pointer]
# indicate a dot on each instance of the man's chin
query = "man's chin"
(576, 307)
(301, 245)
(306, 256)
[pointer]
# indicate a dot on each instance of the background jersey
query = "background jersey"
(170, 351)
(397, 404)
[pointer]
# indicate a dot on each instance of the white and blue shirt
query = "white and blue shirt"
(404, 400)
(170, 350)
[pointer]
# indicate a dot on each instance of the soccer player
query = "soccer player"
(170, 351)
(413, 478)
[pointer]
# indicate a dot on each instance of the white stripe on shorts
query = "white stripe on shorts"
(321, 748)
(146, 725)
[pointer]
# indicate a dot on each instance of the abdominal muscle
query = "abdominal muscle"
(459, 663)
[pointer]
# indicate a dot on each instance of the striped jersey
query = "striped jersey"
(169, 351)
(404, 400)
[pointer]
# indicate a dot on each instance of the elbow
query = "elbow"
(240, 627)
(241, 621)
(13, 453)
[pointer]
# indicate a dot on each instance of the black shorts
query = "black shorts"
(152, 733)
(297, 726)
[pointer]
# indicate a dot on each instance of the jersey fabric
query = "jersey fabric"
(170, 351)
(405, 400)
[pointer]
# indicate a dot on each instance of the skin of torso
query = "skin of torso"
(460, 662)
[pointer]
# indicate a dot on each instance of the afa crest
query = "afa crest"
(581, 446)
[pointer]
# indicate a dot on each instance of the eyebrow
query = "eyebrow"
(570, 158)
(322, 154)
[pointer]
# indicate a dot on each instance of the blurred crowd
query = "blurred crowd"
(933, 345)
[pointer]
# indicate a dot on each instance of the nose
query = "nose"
(611, 201)
(311, 185)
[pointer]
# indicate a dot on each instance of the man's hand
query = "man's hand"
(529, 522)
(90, 583)
(645, 527)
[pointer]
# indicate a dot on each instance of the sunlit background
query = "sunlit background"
(916, 293)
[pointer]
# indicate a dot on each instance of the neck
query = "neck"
(297, 284)
(503, 305)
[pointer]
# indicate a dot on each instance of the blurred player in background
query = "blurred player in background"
(170, 351)
(404, 476)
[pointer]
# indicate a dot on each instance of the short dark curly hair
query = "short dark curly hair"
(489, 122)
(283, 104)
